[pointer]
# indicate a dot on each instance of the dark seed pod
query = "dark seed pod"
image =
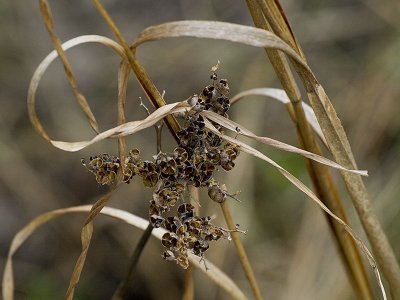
(169, 240)
(156, 221)
(168, 255)
(208, 93)
(222, 87)
(216, 194)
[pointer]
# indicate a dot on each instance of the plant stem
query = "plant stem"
(123, 286)
(80, 98)
(244, 260)
(188, 286)
(149, 88)
(320, 175)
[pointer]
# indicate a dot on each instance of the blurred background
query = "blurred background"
(352, 47)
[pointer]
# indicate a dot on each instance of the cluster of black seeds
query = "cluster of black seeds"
(200, 152)
(188, 231)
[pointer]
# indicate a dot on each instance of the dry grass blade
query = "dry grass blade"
(123, 76)
(213, 272)
(341, 151)
(48, 21)
(125, 129)
(235, 127)
(86, 236)
(41, 69)
(250, 150)
(218, 30)
(281, 96)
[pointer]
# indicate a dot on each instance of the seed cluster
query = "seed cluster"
(200, 152)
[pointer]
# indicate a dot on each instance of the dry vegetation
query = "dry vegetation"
(337, 246)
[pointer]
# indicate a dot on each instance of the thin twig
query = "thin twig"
(148, 86)
(123, 286)
(188, 286)
(244, 260)
(48, 21)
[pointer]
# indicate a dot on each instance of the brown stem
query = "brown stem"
(48, 21)
(145, 81)
(320, 175)
(123, 286)
(244, 260)
(188, 286)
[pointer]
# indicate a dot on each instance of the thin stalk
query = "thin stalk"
(48, 21)
(151, 91)
(244, 260)
(123, 286)
(188, 286)
(320, 175)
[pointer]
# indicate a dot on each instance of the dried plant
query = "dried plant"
(198, 125)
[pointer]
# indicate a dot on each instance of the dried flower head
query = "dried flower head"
(199, 154)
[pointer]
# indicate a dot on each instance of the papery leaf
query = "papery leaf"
(235, 127)
(43, 66)
(281, 96)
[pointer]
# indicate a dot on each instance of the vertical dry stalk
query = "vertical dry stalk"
(340, 148)
(145, 81)
(244, 260)
(48, 21)
(320, 175)
(188, 285)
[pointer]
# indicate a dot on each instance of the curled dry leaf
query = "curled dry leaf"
(41, 69)
(218, 30)
(213, 272)
(48, 21)
(281, 96)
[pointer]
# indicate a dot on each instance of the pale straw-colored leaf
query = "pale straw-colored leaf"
(235, 127)
(281, 96)
(217, 30)
(43, 66)
(125, 129)
(86, 237)
(213, 272)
